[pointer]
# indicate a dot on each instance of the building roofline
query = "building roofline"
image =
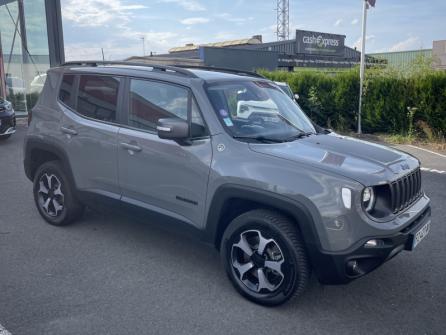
(397, 52)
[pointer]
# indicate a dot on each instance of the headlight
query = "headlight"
(368, 199)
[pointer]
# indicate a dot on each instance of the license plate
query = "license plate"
(421, 234)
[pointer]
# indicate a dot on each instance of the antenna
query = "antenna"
(283, 20)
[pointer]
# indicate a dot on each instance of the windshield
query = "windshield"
(258, 109)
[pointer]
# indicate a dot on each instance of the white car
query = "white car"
(36, 85)
(263, 110)
(287, 90)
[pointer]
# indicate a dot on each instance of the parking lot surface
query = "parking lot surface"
(110, 275)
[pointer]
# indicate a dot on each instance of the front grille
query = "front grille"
(405, 191)
(6, 124)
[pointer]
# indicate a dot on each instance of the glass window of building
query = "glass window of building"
(24, 52)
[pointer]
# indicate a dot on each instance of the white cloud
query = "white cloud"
(114, 50)
(338, 22)
(224, 36)
(238, 20)
(194, 20)
(127, 43)
(93, 13)
(412, 42)
(190, 5)
(358, 43)
(355, 22)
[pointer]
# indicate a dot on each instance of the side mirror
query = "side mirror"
(173, 129)
(296, 96)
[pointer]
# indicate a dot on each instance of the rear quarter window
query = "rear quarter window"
(66, 90)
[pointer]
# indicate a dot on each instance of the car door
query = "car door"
(90, 125)
(163, 175)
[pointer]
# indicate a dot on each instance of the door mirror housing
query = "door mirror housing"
(173, 129)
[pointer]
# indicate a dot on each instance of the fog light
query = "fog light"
(373, 243)
(353, 268)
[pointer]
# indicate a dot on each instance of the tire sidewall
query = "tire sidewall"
(291, 272)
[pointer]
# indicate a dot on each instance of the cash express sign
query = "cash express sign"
(311, 42)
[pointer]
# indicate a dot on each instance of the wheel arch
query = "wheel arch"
(231, 200)
(38, 152)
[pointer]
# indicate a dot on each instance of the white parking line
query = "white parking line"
(429, 151)
(432, 170)
(3, 331)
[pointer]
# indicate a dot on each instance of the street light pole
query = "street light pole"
(365, 7)
(143, 39)
(362, 66)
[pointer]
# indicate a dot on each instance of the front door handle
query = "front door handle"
(68, 131)
(131, 147)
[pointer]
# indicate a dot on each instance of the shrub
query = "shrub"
(394, 102)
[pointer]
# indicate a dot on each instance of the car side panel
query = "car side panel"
(92, 153)
(165, 175)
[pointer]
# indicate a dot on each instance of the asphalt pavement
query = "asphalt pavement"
(108, 274)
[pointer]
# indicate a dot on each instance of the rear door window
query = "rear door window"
(98, 97)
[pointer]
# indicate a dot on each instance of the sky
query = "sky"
(118, 26)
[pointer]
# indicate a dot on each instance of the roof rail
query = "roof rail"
(222, 69)
(155, 67)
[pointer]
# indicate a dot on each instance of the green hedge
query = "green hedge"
(331, 99)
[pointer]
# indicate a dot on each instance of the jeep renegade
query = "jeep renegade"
(231, 156)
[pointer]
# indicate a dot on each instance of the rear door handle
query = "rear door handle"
(131, 147)
(68, 131)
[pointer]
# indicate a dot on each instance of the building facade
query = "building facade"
(307, 49)
(402, 59)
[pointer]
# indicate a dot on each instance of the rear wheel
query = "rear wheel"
(54, 195)
(264, 257)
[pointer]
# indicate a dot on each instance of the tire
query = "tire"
(54, 195)
(273, 275)
(4, 137)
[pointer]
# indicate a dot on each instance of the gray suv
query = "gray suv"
(231, 158)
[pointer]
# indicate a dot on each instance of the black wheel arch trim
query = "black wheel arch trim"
(33, 143)
(304, 214)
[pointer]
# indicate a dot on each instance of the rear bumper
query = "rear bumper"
(341, 268)
(7, 123)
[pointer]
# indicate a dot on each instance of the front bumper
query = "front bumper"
(343, 267)
(7, 123)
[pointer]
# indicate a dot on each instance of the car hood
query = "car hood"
(365, 162)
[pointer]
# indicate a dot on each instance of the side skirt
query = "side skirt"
(147, 214)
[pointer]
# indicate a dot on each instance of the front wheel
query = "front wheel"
(264, 257)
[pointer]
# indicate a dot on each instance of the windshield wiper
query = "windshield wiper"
(299, 135)
(290, 123)
(261, 139)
